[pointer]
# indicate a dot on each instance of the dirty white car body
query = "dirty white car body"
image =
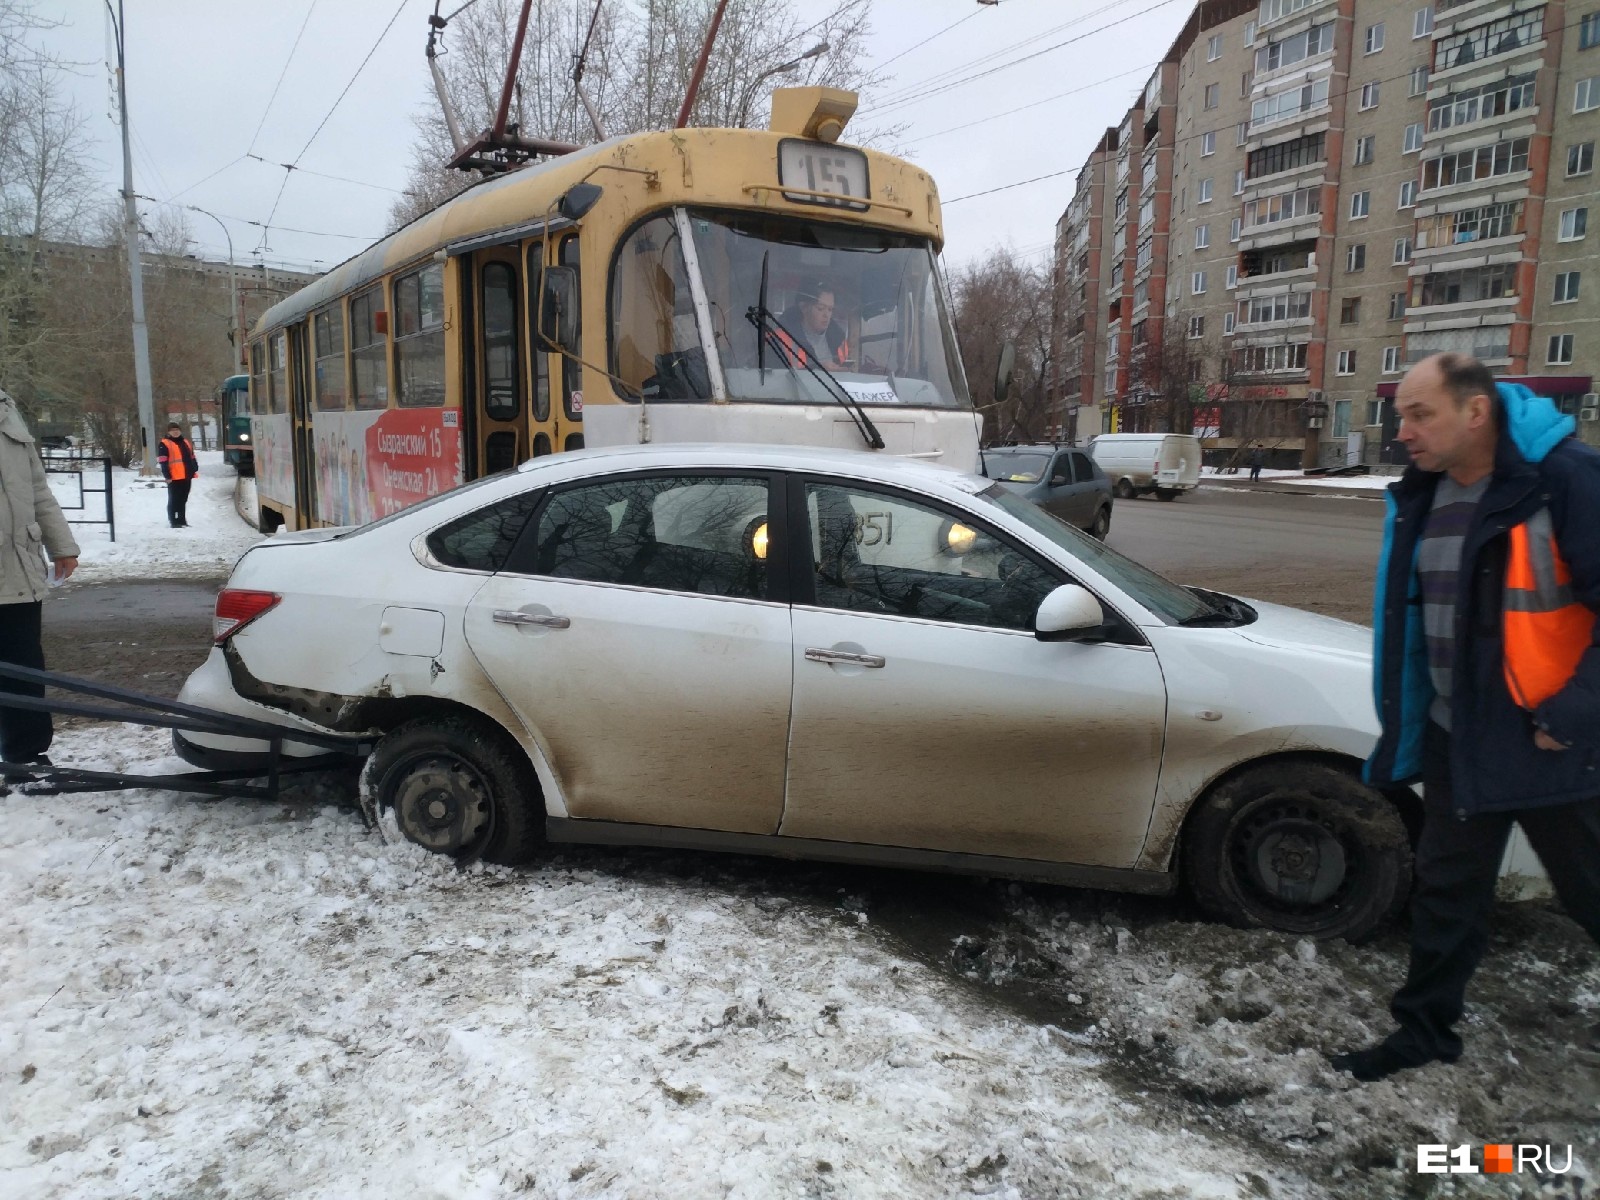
(802, 727)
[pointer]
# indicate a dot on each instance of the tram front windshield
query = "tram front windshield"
(865, 304)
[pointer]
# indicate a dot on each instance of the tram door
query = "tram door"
(545, 421)
(501, 420)
(305, 475)
(570, 388)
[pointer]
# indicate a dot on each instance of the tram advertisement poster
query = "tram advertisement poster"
(412, 453)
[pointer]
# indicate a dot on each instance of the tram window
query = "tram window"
(574, 441)
(258, 377)
(279, 344)
(419, 337)
(502, 375)
(655, 346)
(541, 444)
(332, 390)
(571, 369)
(368, 351)
(482, 540)
(541, 357)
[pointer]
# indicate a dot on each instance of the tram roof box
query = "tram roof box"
(819, 113)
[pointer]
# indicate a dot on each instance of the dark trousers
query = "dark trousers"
(178, 500)
(1255, 474)
(23, 734)
(1457, 864)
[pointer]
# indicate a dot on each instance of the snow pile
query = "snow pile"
(146, 547)
(1355, 483)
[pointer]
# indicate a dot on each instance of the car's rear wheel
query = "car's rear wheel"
(455, 786)
(1124, 489)
(1299, 847)
(1102, 524)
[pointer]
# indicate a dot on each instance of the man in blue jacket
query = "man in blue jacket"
(1487, 674)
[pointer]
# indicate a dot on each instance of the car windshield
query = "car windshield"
(1010, 467)
(1169, 601)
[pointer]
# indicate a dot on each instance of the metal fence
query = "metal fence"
(86, 470)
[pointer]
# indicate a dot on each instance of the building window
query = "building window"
(1397, 305)
(1238, 182)
(1355, 258)
(1341, 418)
(1203, 196)
(1347, 363)
(1580, 159)
(1494, 99)
(1208, 143)
(1391, 366)
(1408, 194)
(1419, 80)
(1466, 286)
(1588, 95)
(1202, 236)
(1274, 310)
(1249, 33)
(1286, 156)
(1236, 229)
(1365, 147)
(1246, 78)
(1350, 311)
(1413, 139)
(1197, 327)
(1374, 38)
(1574, 224)
(1122, 204)
(1297, 47)
(1213, 95)
(1233, 275)
(1567, 287)
(1228, 320)
(1214, 48)
(1283, 105)
(1485, 162)
(1360, 205)
(1421, 23)
(1402, 251)
(1369, 96)
(1197, 284)
(1242, 133)
(1486, 41)
(1560, 352)
(1589, 31)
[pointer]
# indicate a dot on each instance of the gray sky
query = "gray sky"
(200, 73)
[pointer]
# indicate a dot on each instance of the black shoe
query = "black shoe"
(1383, 1060)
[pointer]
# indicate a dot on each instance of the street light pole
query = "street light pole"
(781, 68)
(130, 217)
(235, 317)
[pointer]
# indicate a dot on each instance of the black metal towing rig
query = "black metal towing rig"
(136, 708)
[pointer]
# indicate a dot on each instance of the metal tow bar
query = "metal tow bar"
(136, 708)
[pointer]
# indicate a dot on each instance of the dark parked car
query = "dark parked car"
(1059, 479)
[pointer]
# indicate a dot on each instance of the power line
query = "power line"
(324, 175)
(281, 75)
(353, 237)
(929, 38)
(1035, 104)
(209, 177)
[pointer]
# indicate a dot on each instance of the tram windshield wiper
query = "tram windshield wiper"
(771, 333)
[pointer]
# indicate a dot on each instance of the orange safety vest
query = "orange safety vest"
(796, 353)
(177, 468)
(1546, 628)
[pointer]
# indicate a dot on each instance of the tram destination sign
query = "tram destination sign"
(821, 167)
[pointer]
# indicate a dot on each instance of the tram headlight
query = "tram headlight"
(755, 538)
(245, 436)
(956, 538)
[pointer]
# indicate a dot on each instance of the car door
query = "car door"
(637, 631)
(1074, 504)
(1089, 485)
(925, 712)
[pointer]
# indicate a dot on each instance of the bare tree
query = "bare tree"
(636, 72)
(1000, 300)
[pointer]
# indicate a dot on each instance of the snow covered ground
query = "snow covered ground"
(1354, 483)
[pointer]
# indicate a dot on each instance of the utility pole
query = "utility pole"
(130, 224)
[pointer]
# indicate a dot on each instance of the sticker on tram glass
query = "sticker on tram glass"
(823, 167)
(870, 393)
(577, 402)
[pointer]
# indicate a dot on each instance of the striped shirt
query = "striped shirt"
(1438, 566)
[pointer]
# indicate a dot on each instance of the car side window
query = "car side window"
(700, 534)
(1061, 473)
(880, 552)
(482, 540)
(1082, 468)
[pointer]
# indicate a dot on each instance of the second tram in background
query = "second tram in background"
(233, 422)
(690, 285)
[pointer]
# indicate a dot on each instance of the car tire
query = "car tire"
(1101, 525)
(1166, 494)
(1303, 848)
(454, 785)
(1124, 489)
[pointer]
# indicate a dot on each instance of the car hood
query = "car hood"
(1292, 628)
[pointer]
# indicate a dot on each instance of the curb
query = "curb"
(1280, 487)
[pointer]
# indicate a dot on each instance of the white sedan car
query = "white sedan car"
(817, 654)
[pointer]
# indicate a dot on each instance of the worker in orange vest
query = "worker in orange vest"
(817, 336)
(178, 466)
(1487, 659)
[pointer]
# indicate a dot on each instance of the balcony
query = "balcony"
(1519, 34)
(1474, 289)
(1500, 224)
(1490, 344)
(1273, 13)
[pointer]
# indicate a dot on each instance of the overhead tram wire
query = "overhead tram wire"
(264, 112)
(843, 8)
(352, 237)
(1034, 104)
(1198, 134)
(324, 175)
(209, 177)
(290, 168)
(930, 37)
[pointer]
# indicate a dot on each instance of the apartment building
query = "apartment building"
(1347, 186)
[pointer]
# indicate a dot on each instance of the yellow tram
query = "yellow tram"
(687, 285)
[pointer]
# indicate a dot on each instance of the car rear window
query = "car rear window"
(482, 540)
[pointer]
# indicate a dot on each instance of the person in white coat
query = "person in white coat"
(31, 526)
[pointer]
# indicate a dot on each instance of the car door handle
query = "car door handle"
(817, 654)
(505, 616)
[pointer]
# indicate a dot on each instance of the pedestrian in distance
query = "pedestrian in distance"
(1488, 675)
(1258, 459)
(179, 467)
(31, 526)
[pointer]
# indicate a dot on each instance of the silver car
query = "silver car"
(1061, 480)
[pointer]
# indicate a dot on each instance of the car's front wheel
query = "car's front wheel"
(1299, 847)
(1102, 524)
(456, 786)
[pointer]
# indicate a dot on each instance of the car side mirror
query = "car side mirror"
(1059, 481)
(1003, 370)
(558, 309)
(1070, 614)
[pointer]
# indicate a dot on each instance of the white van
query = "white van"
(1167, 464)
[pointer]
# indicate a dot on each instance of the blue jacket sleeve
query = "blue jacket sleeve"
(1572, 715)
